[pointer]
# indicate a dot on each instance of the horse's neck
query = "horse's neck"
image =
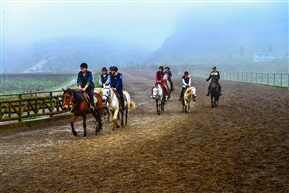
(160, 90)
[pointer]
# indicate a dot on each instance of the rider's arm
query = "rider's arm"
(100, 81)
(209, 77)
(78, 80)
(183, 81)
(107, 82)
(89, 79)
(157, 77)
(190, 81)
(119, 82)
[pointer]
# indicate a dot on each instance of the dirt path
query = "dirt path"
(242, 146)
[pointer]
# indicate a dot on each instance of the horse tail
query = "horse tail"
(132, 104)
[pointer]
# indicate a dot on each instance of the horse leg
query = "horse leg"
(121, 118)
(126, 115)
(158, 109)
(189, 107)
(114, 119)
(72, 124)
(84, 125)
(99, 121)
(212, 101)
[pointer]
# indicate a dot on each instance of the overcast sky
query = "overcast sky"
(142, 22)
(139, 21)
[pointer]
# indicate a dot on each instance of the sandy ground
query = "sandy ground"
(241, 146)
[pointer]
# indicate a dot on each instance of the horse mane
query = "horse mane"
(76, 94)
(188, 91)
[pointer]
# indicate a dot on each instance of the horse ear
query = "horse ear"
(63, 89)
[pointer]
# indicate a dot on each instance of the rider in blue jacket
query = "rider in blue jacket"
(85, 83)
(116, 83)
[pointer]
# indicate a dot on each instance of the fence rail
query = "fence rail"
(26, 106)
(272, 79)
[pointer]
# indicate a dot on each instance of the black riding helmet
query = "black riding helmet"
(113, 68)
(83, 65)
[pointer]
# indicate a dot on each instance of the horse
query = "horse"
(168, 84)
(186, 102)
(215, 93)
(159, 96)
(114, 108)
(80, 107)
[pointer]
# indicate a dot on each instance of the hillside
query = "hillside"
(65, 54)
(228, 36)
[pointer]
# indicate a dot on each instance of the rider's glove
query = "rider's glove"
(207, 80)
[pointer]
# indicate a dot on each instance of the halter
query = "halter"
(108, 95)
(157, 95)
(71, 97)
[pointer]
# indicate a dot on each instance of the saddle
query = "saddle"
(118, 97)
(86, 96)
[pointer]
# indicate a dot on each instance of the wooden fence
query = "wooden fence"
(20, 107)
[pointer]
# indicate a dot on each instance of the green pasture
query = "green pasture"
(30, 83)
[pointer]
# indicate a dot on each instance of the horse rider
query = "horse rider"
(160, 79)
(85, 83)
(104, 79)
(186, 81)
(214, 75)
(116, 83)
(168, 71)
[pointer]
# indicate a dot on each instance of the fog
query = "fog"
(143, 23)
(142, 31)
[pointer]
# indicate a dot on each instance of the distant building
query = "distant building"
(263, 56)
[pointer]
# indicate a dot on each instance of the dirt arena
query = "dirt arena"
(241, 146)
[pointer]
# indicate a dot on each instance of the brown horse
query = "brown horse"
(215, 92)
(80, 106)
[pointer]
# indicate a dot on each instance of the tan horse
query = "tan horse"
(186, 102)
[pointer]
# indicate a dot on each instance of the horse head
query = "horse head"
(106, 93)
(67, 97)
(157, 91)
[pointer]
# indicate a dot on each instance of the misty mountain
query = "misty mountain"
(67, 53)
(228, 36)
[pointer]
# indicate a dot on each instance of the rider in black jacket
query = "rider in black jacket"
(214, 75)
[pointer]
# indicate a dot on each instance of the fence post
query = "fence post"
(20, 109)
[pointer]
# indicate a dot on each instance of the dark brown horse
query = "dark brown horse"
(215, 92)
(80, 106)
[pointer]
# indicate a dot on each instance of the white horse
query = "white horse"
(159, 96)
(186, 102)
(113, 105)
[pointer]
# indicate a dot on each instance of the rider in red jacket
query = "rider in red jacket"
(160, 79)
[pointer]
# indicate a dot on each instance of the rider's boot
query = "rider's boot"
(208, 93)
(194, 98)
(91, 108)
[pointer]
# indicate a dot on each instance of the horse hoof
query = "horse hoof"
(74, 133)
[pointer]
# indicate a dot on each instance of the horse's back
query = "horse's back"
(130, 103)
(98, 101)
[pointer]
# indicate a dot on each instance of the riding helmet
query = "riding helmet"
(83, 65)
(214, 67)
(186, 73)
(161, 67)
(113, 68)
(167, 68)
(104, 69)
